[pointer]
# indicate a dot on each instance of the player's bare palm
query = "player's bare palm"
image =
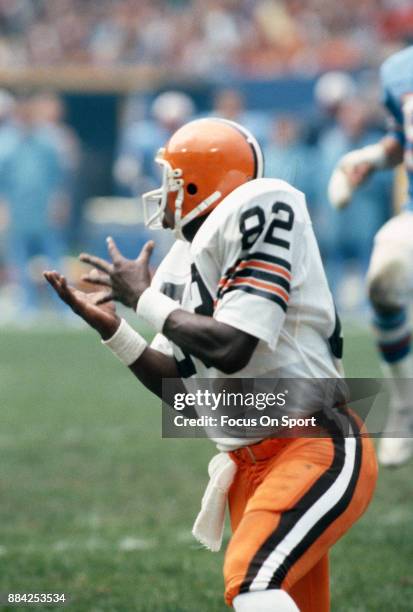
(101, 317)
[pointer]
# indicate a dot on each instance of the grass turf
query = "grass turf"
(95, 504)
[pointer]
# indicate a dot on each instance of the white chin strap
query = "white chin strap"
(180, 221)
(155, 201)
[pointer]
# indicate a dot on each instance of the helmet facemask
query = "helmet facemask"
(155, 201)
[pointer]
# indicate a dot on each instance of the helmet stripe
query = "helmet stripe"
(252, 141)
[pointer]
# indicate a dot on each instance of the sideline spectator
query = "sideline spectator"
(331, 90)
(288, 157)
(7, 103)
(229, 104)
(31, 179)
(50, 116)
(346, 239)
(134, 168)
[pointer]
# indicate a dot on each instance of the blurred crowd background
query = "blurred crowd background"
(301, 74)
(254, 37)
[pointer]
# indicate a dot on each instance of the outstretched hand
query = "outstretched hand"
(100, 316)
(357, 174)
(125, 279)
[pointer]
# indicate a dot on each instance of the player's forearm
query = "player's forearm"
(151, 367)
(386, 153)
(215, 344)
(147, 364)
(393, 151)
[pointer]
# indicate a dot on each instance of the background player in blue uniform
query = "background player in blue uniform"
(390, 275)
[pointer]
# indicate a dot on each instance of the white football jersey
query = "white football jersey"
(255, 265)
(172, 276)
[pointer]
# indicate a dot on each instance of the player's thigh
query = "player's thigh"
(305, 503)
(390, 274)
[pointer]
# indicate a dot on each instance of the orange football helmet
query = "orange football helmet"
(202, 163)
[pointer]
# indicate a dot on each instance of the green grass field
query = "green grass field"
(95, 504)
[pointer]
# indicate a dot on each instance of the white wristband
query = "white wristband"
(154, 308)
(340, 189)
(374, 154)
(126, 344)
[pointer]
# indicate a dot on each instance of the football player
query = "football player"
(241, 293)
(390, 275)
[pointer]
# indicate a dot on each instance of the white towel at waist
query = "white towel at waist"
(209, 524)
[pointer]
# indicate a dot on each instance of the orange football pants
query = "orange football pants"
(291, 500)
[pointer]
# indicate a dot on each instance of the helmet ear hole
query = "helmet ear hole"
(191, 188)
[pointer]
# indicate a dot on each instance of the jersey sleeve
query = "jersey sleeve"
(394, 110)
(257, 265)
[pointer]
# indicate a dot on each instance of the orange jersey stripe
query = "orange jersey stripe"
(265, 266)
(248, 280)
(257, 264)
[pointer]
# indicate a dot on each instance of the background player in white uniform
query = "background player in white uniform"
(390, 276)
(244, 296)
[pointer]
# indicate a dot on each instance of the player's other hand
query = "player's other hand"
(101, 317)
(351, 172)
(357, 173)
(126, 279)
